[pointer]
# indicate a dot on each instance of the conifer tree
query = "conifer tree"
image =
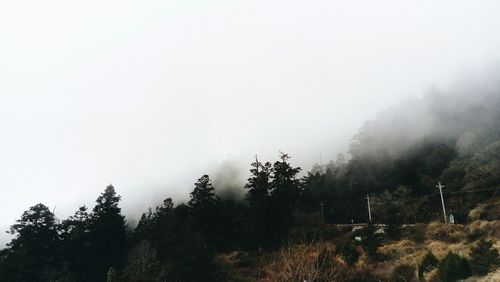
(204, 208)
(75, 245)
(107, 233)
(258, 186)
(33, 254)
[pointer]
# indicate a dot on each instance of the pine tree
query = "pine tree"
(284, 183)
(284, 195)
(204, 209)
(203, 196)
(75, 243)
(258, 186)
(107, 234)
(33, 254)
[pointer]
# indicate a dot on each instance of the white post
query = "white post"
(369, 210)
(442, 199)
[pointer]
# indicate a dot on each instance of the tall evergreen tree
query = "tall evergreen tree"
(33, 254)
(203, 207)
(258, 186)
(203, 196)
(284, 195)
(76, 252)
(107, 234)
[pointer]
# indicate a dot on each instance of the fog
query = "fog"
(458, 113)
(151, 95)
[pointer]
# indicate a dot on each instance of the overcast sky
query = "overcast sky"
(149, 95)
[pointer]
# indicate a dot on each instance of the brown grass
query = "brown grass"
(305, 262)
(398, 249)
(453, 233)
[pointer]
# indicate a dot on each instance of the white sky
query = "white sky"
(149, 95)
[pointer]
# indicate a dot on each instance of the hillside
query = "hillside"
(299, 229)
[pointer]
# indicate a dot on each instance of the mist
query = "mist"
(459, 112)
(151, 96)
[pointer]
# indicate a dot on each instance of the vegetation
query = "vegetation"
(453, 268)
(284, 228)
(428, 263)
(484, 257)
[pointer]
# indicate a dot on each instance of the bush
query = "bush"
(453, 267)
(371, 241)
(428, 263)
(347, 250)
(483, 257)
(305, 262)
(403, 273)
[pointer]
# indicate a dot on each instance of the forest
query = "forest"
(397, 159)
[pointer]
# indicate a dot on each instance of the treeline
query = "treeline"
(179, 242)
(399, 158)
(172, 243)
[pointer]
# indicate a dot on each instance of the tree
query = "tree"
(203, 196)
(111, 275)
(182, 250)
(33, 254)
(107, 234)
(143, 265)
(204, 208)
(284, 183)
(284, 195)
(258, 185)
(76, 252)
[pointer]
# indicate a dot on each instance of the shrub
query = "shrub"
(370, 241)
(347, 250)
(403, 273)
(428, 263)
(453, 267)
(483, 257)
(305, 262)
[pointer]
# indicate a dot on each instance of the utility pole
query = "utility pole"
(442, 199)
(369, 210)
(322, 212)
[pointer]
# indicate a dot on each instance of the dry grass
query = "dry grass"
(308, 262)
(440, 249)
(491, 277)
(491, 229)
(453, 233)
(305, 262)
(398, 249)
(319, 261)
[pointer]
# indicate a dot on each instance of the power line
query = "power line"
(472, 191)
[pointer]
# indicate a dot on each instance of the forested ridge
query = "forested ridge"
(397, 159)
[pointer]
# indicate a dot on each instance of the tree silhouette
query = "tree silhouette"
(33, 253)
(107, 234)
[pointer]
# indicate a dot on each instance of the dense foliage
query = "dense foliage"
(398, 169)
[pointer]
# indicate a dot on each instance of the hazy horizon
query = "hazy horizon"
(150, 96)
